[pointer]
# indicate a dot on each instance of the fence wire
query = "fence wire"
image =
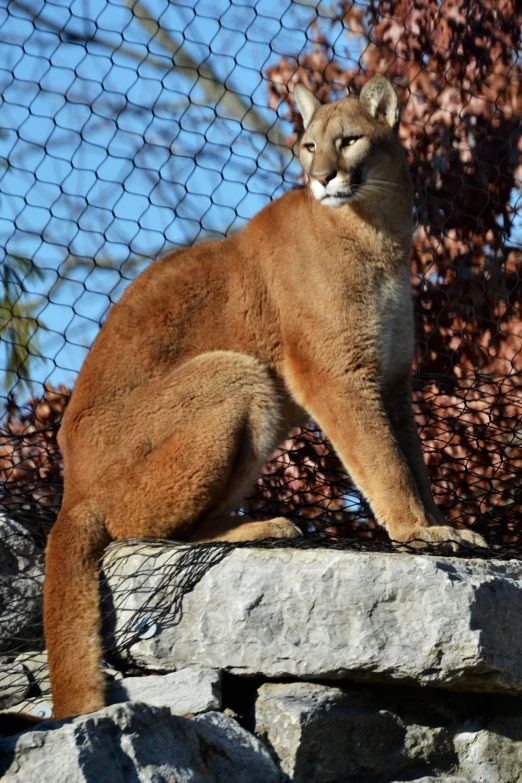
(129, 129)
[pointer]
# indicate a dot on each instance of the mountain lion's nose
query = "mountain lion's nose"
(324, 179)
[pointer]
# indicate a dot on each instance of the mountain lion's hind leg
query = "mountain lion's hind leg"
(234, 530)
(189, 445)
(210, 425)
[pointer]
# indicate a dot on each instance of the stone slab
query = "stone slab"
(37, 667)
(489, 749)
(329, 734)
(14, 683)
(431, 779)
(137, 743)
(38, 706)
(316, 613)
(189, 690)
(361, 733)
(21, 587)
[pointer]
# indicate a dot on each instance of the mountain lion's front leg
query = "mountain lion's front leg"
(397, 398)
(350, 410)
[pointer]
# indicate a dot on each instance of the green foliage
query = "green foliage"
(19, 322)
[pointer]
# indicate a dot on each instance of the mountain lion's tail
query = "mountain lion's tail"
(72, 612)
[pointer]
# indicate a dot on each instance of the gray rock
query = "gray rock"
(38, 706)
(37, 668)
(233, 753)
(319, 614)
(490, 749)
(325, 734)
(21, 674)
(21, 583)
(430, 779)
(361, 733)
(14, 684)
(134, 742)
(27, 673)
(189, 690)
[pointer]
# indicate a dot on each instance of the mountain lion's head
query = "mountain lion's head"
(350, 150)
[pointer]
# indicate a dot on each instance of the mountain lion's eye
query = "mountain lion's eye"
(310, 146)
(349, 141)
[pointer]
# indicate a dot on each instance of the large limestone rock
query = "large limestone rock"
(490, 749)
(327, 734)
(318, 613)
(361, 733)
(130, 743)
(189, 690)
(21, 583)
(431, 779)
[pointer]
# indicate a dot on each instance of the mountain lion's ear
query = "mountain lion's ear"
(379, 99)
(307, 103)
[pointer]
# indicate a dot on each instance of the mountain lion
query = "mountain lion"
(216, 352)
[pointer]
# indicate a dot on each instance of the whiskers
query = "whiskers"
(380, 187)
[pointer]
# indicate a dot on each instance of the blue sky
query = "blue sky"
(114, 152)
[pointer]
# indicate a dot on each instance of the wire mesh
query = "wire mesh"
(129, 129)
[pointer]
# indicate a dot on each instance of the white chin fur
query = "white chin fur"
(328, 199)
(336, 201)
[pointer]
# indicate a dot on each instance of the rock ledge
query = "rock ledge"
(322, 614)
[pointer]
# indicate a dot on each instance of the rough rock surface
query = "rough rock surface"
(430, 779)
(21, 581)
(37, 668)
(322, 614)
(189, 690)
(133, 742)
(327, 734)
(21, 674)
(14, 684)
(362, 733)
(490, 749)
(38, 706)
(25, 684)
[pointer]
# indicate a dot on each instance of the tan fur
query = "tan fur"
(215, 352)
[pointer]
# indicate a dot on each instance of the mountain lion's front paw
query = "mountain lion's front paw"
(282, 528)
(448, 538)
